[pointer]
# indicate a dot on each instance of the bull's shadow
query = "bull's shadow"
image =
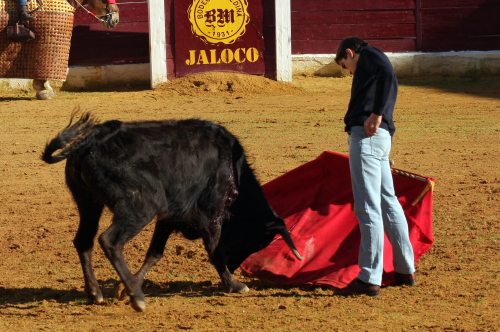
(210, 289)
(207, 289)
(30, 297)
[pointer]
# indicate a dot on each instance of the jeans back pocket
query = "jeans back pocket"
(380, 146)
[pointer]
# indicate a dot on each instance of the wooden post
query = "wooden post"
(283, 41)
(418, 23)
(157, 42)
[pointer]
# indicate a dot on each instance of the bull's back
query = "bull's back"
(174, 163)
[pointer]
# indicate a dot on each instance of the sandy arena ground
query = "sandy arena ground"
(447, 129)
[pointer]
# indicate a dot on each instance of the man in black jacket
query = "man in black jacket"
(370, 123)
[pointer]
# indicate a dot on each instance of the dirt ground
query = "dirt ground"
(448, 129)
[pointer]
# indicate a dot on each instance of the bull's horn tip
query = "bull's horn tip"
(299, 256)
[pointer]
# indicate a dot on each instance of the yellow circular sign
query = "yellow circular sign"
(219, 21)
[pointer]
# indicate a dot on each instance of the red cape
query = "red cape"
(316, 202)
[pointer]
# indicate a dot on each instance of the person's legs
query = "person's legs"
(366, 154)
(24, 14)
(395, 223)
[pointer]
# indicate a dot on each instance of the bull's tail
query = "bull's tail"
(70, 139)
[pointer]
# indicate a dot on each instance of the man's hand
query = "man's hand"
(372, 124)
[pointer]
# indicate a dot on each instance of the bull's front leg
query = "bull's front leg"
(218, 256)
(218, 259)
(231, 285)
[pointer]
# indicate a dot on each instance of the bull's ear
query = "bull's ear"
(277, 224)
(273, 225)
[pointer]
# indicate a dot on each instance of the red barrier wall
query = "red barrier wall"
(317, 28)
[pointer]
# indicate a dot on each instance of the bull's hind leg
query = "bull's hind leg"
(127, 223)
(155, 253)
(90, 213)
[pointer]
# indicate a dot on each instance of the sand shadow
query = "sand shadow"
(16, 98)
(32, 297)
(485, 87)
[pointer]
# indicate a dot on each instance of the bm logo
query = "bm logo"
(219, 21)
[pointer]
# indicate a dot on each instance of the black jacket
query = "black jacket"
(374, 90)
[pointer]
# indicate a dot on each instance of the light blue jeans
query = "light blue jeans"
(22, 2)
(377, 206)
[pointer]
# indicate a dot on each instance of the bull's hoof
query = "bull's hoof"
(244, 290)
(120, 292)
(239, 287)
(45, 95)
(138, 305)
(96, 298)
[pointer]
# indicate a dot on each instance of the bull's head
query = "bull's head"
(253, 224)
(254, 238)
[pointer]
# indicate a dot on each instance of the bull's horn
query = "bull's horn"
(289, 242)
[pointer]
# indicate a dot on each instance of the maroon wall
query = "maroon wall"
(317, 28)
(270, 38)
(460, 25)
(128, 42)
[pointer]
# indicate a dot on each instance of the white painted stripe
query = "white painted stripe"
(283, 41)
(157, 42)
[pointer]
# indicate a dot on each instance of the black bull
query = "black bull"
(192, 175)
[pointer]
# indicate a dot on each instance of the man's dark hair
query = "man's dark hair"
(354, 43)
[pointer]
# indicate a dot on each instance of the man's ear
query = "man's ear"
(350, 52)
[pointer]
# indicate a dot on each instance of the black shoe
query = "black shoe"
(405, 279)
(358, 287)
(24, 14)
